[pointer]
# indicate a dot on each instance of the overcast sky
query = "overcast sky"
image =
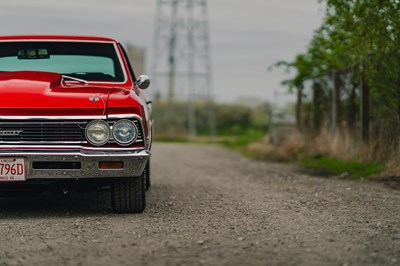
(246, 36)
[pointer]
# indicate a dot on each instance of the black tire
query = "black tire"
(128, 194)
(147, 175)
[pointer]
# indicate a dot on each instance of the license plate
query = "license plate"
(12, 169)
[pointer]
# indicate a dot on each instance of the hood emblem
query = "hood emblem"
(94, 99)
(10, 132)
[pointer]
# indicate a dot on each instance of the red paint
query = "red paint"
(35, 93)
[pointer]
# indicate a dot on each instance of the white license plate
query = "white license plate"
(12, 169)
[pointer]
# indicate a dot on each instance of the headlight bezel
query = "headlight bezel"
(107, 131)
(124, 143)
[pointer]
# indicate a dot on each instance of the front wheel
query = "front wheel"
(147, 175)
(128, 194)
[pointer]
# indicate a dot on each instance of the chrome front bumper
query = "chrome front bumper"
(134, 162)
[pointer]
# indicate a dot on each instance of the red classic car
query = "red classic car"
(72, 116)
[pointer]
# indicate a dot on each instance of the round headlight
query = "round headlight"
(124, 132)
(97, 132)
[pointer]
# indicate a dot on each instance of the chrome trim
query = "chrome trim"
(54, 142)
(83, 117)
(55, 40)
(22, 148)
(126, 116)
(123, 66)
(143, 82)
(74, 79)
(70, 119)
(134, 163)
(150, 137)
(28, 118)
(31, 142)
(23, 121)
(8, 133)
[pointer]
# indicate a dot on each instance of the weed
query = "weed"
(333, 166)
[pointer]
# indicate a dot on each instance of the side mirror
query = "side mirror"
(143, 82)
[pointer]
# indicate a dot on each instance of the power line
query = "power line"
(181, 62)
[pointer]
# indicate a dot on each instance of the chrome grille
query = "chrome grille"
(50, 132)
(140, 130)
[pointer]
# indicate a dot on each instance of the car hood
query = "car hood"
(33, 93)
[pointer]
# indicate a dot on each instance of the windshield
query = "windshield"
(83, 60)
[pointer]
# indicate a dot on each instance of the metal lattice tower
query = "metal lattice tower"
(181, 65)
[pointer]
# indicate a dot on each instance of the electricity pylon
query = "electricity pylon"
(181, 65)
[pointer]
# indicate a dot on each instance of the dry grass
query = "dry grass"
(391, 172)
(392, 165)
(286, 150)
(341, 145)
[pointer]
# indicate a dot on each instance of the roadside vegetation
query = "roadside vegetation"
(324, 165)
(234, 124)
(348, 87)
(322, 155)
(248, 129)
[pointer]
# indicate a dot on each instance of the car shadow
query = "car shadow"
(75, 204)
(56, 205)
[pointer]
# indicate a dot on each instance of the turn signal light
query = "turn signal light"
(111, 165)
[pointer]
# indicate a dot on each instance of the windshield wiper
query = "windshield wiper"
(75, 79)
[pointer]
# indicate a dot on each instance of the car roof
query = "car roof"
(55, 37)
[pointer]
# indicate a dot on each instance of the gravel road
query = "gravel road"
(209, 206)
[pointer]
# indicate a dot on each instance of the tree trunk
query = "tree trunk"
(317, 106)
(298, 107)
(337, 100)
(365, 92)
(352, 111)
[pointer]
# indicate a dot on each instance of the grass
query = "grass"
(333, 166)
(172, 139)
(241, 141)
(235, 142)
(229, 141)
(323, 165)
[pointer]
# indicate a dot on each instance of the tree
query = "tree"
(355, 51)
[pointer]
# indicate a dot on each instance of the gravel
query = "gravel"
(209, 206)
